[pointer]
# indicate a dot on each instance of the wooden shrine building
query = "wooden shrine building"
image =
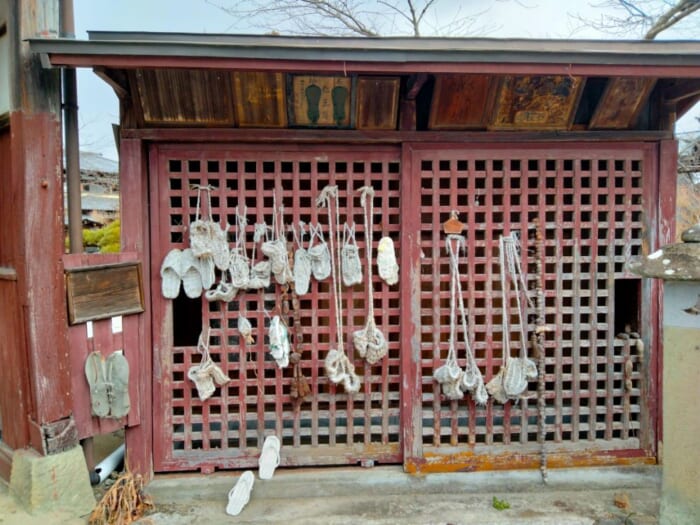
(569, 140)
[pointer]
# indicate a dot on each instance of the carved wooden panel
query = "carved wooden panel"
(537, 102)
(260, 99)
(377, 102)
(321, 101)
(462, 101)
(621, 102)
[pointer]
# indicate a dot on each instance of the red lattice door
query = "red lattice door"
(593, 204)
(227, 430)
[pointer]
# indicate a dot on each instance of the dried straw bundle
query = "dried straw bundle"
(124, 502)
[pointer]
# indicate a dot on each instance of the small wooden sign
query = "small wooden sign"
(101, 292)
(321, 101)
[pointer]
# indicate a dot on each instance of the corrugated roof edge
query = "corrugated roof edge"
(389, 49)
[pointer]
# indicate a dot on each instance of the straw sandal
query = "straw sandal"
(118, 378)
(99, 389)
(269, 457)
(239, 495)
(189, 272)
(170, 274)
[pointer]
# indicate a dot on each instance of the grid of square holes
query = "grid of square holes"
(227, 430)
(590, 210)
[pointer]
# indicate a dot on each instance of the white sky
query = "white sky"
(504, 19)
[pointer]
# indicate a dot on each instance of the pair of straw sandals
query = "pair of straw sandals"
(109, 384)
(239, 495)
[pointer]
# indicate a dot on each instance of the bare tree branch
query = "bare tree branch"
(347, 17)
(677, 13)
(645, 18)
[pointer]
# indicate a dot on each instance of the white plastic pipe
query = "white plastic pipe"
(105, 467)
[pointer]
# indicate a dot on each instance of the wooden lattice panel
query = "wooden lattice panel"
(590, 208)
(227, 430)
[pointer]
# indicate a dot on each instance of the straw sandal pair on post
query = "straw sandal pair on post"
(109, 384)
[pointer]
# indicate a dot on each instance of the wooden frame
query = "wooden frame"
(100, 292)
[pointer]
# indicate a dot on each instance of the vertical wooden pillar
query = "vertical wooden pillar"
(39, 383)
(133, 187)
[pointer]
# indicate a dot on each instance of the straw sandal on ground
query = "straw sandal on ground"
(99, 389)
(239, 495)
(118, 377)
(269, 457)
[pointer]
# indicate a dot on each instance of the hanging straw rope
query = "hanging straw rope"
(511, 380)
(369, 342)
(453, 380)
(337, 365)
(472, 380)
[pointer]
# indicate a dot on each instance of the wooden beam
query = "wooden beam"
(191, 135)
(301, 66)
(682, 90)
(116, 79)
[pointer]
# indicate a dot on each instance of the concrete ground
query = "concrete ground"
(385, 495)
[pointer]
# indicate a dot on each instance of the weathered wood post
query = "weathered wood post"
(679, 266)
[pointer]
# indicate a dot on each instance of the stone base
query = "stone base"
(56, 482)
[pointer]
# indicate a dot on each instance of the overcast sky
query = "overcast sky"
(99, 106)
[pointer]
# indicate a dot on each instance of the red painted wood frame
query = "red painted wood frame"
(598, 207)
(227, 430)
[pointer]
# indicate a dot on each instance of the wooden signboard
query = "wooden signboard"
(621, 102)
(100, 292)
(321, 101)
(377, 102)
(537, 102)
(260, 99)
(462, 101)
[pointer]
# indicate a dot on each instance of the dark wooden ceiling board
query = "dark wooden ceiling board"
(537, 102)
(377, 102)
(462, 101)
(621, 102)
(185, 97)
(260, 99)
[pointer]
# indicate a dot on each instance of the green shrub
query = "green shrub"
(107, 238)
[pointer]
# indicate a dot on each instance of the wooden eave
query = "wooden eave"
(433, 84)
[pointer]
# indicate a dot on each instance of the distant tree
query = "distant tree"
(644, 19)
(356, 17)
